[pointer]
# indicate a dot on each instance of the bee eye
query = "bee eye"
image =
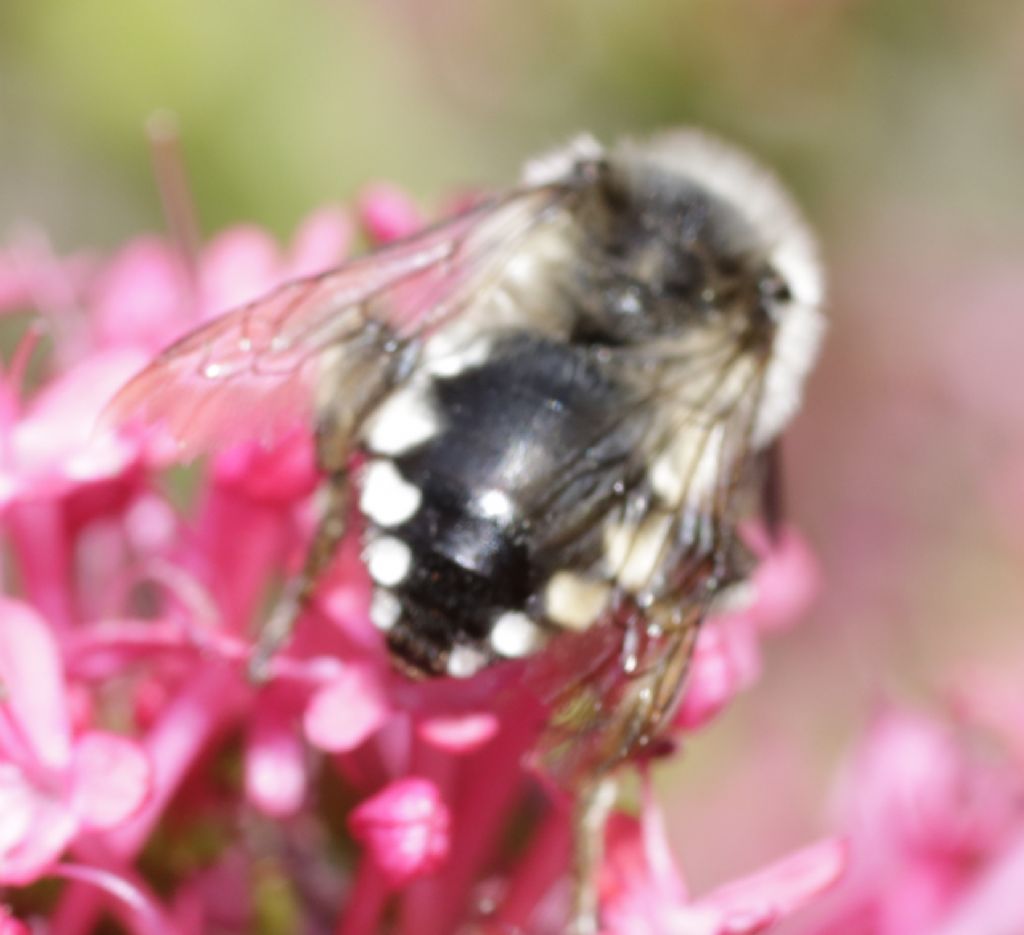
(774, 288)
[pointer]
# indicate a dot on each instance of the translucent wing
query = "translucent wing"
(616, 704)
(253, 372)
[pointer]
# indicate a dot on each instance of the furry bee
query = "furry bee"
(560, 399)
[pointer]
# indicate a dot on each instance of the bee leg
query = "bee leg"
(655, 691)
(654, 698)
(338, 424)
(299, 591)
(589, 818)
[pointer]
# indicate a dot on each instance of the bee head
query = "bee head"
(686, 238)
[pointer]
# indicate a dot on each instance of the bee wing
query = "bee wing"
(632, 677)
(253, 372)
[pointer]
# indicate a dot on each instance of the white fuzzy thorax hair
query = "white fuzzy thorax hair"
(780, 233)
(786, 242)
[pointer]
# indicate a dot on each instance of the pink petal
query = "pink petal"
(625, 862)
(342, 714)
(726, 661)
(661, 861)
(636, 897)
(239, 265)
(144, 914)
(459, 733)
(405, 829)
(210, 701)
(322, 241)
(58, 441)
(786, 581)
(913, 787)
(33, 681)
(748, 905)
(914, 897)
(17, 801)
(150, 524)
(15, 283)
(140, 298)
(112, 778)
(280, 473)
(35, 827)
(993, 902)
(275, 766)
(388, 213)
(10, 487)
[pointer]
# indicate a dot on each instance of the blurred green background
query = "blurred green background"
(284, 104)
(900, 125)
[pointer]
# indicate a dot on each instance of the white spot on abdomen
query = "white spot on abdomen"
(385, 609)
(574, 602)
(404, 420)
(387, 560)
(464, 661)
(515, 635)
(386, 497)
(449, 353)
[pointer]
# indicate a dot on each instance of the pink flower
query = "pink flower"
(643, 893)
(993, 902)
(346, 711)
(144, 298)
(927, 813)
(387, 213)
(786, 580)
(275, 761)
(31, 276)
(53, 786)
(53, 448)
(139, 297)
(915, 788)
(460, 732)
(726, 660)
(405, 829)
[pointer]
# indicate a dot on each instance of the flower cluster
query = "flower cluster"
(935, 811)
(142, 768)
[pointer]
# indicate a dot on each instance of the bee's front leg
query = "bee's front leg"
(342, 409)
(333, 445)
(299, 591)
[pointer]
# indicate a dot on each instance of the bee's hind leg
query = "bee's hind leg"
(652, 697)
(299, 591)
(590, 816)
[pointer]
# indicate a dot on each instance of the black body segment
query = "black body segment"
(534, 447)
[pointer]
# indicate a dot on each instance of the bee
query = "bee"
(561, 401)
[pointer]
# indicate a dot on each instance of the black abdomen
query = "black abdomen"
(525, 455)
